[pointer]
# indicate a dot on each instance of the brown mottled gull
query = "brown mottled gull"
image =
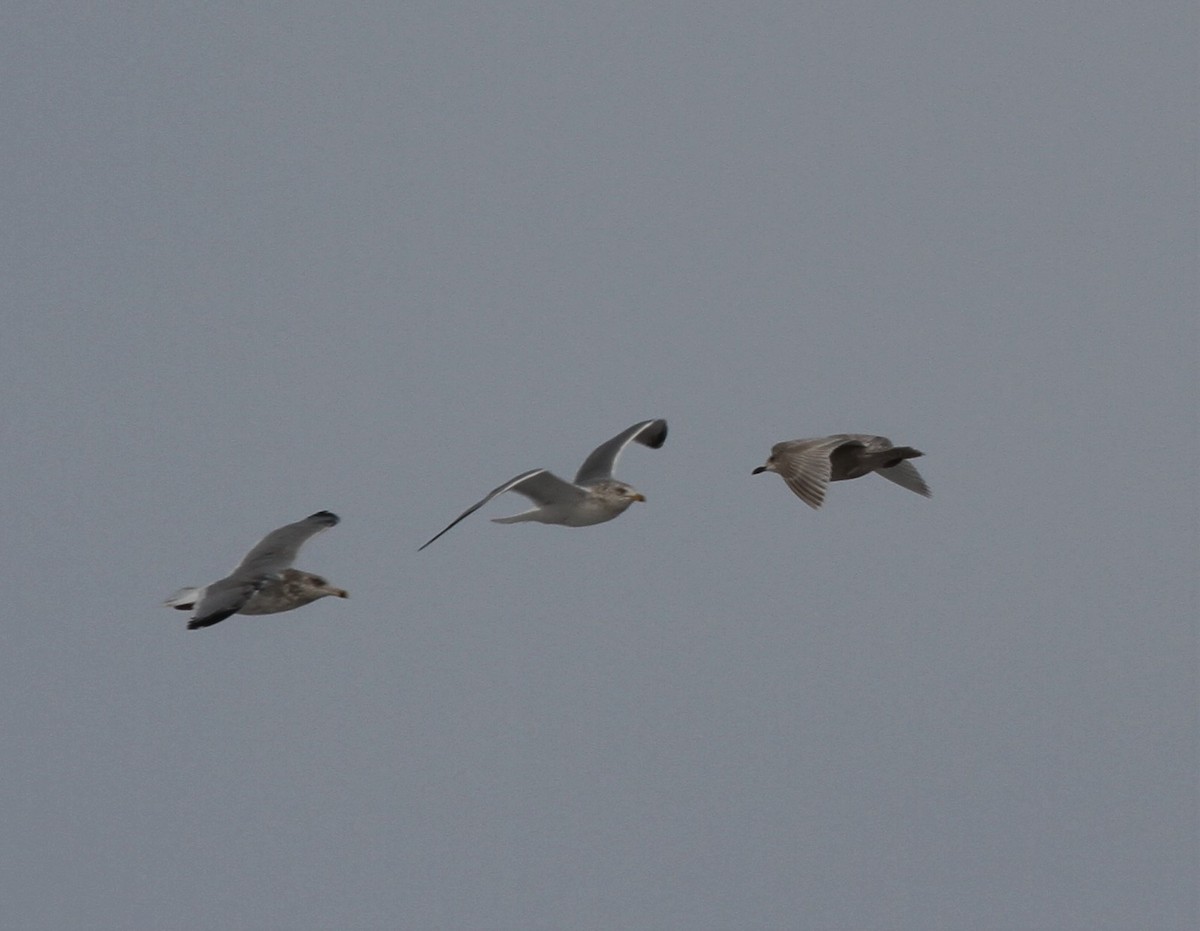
(264, 582)
(808, 466)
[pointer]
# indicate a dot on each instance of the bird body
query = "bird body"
(809, 465)
(293, 589)
(597, 503)
(593, 498)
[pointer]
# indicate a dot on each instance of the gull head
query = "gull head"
(624, 492)
(320, 587)
(616, 494)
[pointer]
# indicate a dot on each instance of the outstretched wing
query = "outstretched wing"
(804, 465)
(277, 550)
(223, 599)
(538, 485)
(603, 459)
(905, 475)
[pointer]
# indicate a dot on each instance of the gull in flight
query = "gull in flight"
(264, 582)
(594, 497)
(808, 466)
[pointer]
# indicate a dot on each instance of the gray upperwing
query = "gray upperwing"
(538, 485)
(277, 550)
(543, 487)
(603, 459)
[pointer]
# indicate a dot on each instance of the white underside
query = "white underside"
(577, 514)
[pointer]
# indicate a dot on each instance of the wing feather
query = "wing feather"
(223, 599)
(603, 459)
(538, 485)
(905, 475)
(277, 550)
(804, 465)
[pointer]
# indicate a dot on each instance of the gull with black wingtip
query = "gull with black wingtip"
(263, 582)
(593, 498)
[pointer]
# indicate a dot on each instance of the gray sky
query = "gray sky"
(379, 258)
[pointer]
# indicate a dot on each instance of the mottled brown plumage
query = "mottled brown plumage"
(263, 582)
(808, 466)
(293, 589)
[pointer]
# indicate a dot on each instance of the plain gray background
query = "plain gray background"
(381, 257)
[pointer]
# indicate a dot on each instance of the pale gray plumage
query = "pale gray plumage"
(809, 465)
(263, 582)
(593, 498)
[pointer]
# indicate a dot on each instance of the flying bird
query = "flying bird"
(293, 589)
(808, 466)
(593, 498)
(264, 582)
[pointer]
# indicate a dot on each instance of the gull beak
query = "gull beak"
(339, 592)
(638, 496)
(759, 469)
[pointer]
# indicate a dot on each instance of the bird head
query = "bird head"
(320, 587)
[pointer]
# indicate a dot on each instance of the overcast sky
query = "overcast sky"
(266, 259)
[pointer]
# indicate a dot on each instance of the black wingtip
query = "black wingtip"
(198, 622)
(325, 517)
(656, 439)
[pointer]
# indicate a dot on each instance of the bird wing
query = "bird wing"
(538, 485)
(905, 475)
(603, 459)
(804, 465)
(868, 441)
(277, 550)
(223, 599)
